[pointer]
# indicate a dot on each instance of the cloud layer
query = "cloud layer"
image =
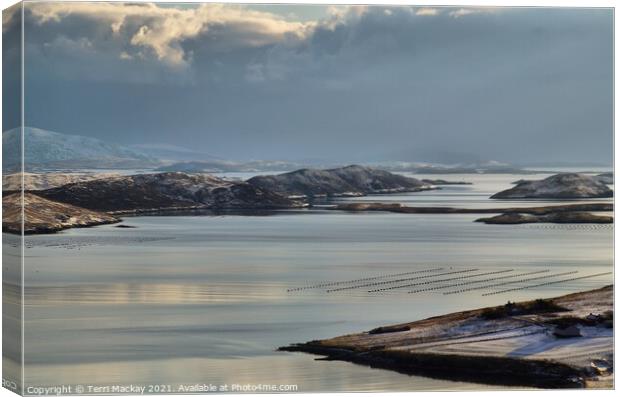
(160, 32)
(366, 82)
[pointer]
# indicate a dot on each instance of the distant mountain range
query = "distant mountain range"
(283, 166)
(48, 150)
(486, 167)
(490, 167)
(172, 153)
(230, 166)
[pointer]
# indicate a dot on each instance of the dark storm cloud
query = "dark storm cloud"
(363, 84)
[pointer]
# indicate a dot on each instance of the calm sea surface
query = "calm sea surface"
(203, 299)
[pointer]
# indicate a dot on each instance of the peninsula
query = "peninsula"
(166, 191)
(46, 216)
(564, 342)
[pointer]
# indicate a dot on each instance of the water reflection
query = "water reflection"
(190, 299)
(155, 293)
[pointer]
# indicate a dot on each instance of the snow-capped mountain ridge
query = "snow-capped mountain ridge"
(43, 148)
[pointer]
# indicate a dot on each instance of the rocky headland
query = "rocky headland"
(46, 216)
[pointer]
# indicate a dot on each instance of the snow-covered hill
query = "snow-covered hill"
(49, 149)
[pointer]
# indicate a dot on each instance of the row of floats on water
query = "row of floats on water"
(449, 281)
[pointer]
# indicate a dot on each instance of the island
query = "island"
(439, 182)
(570, 213)
(541, 210)
(94, 199)
(563, 342)
(552, 217)
(352, 180)
(559, 186)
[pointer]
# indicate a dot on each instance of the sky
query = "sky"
(337, 83)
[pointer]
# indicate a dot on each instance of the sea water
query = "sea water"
(206, 300)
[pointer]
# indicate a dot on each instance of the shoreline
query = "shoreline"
(539, 210)
(437, 347)
(562, 214)
(496, 371)
(113, 216)
(31, 214)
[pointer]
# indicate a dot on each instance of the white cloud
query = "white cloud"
(148, 31)
(461, 12)
(116, 26)
(427, 11)
(69, 45)
(8, 15)
(162, 30)
(342, 14)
